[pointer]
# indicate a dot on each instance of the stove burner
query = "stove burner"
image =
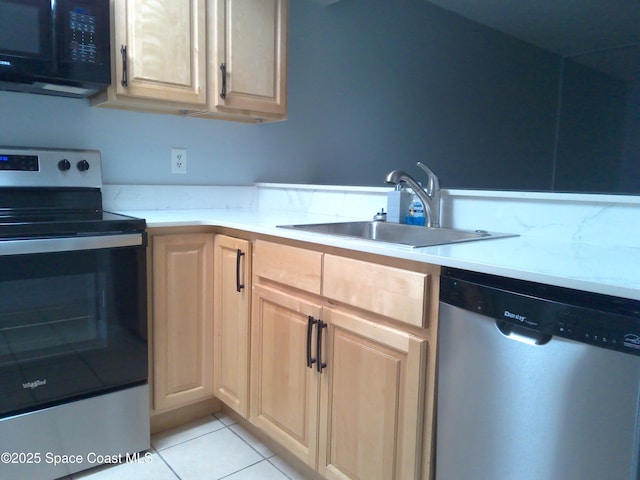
(52, 192)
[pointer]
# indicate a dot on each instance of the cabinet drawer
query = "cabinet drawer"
(392, 292)
(297, 267)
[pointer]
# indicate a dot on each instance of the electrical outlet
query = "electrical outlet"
(178, 160)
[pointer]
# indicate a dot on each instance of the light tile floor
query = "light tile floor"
(211, 448)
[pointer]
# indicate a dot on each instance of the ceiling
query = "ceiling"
(593, 31)
(566, 27)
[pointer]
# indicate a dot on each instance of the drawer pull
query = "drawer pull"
(239, 255)
(311, 322)
(320, 365)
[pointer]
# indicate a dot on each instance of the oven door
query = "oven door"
(72, 318)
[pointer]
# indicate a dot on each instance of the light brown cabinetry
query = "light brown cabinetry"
(284, 392)
(167, 57)
(339, 367)
(396, 293)
(248, 56)
(182, 319)
(232, 294)
(372, 399)
(158, 56)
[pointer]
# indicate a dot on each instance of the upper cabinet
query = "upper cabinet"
(158, 56)
(248, 56)
(212, 58)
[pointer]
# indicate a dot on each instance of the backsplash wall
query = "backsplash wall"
(373, 86)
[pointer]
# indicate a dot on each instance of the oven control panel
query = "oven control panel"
(26, 163)
(34, 167)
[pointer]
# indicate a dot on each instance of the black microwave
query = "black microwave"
(55, 47)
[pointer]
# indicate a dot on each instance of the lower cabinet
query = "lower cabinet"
(232, 294)
(182, 319)
(285, 386)
(371, 399)
(342, 388)
(331, 356)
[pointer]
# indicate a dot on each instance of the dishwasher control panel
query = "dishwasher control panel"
(544, 311)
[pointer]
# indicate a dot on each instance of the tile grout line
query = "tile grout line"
(243, 468)
(268, 459)
(222, 427)
(167, 463)
(193, 438)
(250, 446)
(276, 467)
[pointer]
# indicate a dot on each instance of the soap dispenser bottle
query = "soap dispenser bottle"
(398, 204)
(415, 214)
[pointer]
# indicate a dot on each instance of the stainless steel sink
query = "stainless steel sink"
(398, 233)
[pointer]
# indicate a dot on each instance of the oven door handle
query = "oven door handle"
(69, 244)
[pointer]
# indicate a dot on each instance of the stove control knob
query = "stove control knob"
(83, 165)
(64, 165)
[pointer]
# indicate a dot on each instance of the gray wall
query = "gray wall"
(373, 85)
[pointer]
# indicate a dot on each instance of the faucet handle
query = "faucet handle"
(433, 184)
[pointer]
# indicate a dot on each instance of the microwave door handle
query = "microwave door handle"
(68, 244)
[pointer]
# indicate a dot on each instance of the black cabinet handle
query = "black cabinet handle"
(124, 82)
(223, 69)
(320, 365)
(239, 255)
(310, 323)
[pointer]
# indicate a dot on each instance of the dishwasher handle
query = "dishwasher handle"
(523, 334)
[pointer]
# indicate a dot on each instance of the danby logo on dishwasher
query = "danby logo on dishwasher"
(515, 316)
(632, 340)
(520, 318)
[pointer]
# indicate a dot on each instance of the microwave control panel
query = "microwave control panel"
(82, 26)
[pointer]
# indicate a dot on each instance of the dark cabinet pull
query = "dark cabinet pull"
(124, 82)
(223, 69)
(239, 255)
(310, 323)
(320, 365)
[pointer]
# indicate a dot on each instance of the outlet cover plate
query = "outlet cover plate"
(178, 160)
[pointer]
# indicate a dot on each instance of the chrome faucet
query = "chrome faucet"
(430, 197)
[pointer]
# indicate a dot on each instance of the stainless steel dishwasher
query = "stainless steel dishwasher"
(535, 382)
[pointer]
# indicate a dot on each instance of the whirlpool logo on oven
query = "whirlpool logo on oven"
(34, 384)
(632, 340)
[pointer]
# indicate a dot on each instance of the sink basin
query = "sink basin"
(398, 233)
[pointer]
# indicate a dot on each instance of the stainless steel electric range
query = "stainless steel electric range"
(73, 324)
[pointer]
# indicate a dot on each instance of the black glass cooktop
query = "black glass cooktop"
(68, 224)
(30, 212)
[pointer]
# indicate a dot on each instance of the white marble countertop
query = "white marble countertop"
(595, 268)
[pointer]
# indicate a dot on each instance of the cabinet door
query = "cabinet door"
(372, 400)
(284, 390)
(231, 322)
(165, 54)
(182, 319)
(250, 41)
